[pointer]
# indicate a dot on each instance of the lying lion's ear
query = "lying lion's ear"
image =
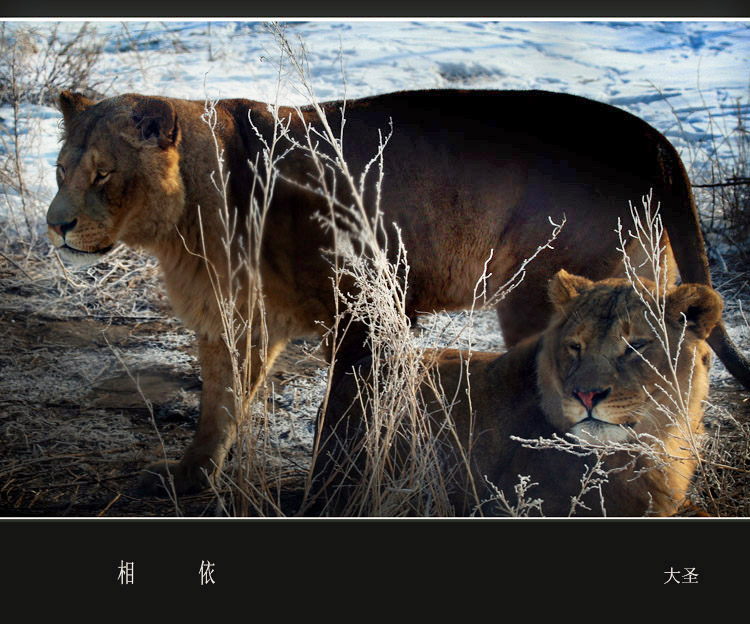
(71, 104)
(156, 120)
(700, 304)
(564, 287)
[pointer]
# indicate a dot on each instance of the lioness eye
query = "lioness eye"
(575, 346)
(101, 176)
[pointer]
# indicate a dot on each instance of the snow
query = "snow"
(677, 75)
(686, 78)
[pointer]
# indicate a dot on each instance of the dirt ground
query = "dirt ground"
(74, 443)
(76, 427)
(75, 430)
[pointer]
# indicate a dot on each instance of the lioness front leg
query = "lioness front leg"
(215, 433)
(217, 424)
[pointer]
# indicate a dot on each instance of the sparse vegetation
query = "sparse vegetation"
(723, 183)
(719, 167)
(35, 63)
(263, 477)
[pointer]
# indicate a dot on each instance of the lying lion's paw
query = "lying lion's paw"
(165, 478)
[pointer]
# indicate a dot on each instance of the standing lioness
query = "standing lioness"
(599, 371)
(467, 175)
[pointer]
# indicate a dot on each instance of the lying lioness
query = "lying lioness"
(598, 372)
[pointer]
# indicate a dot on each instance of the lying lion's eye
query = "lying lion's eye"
(60, 171)
(575, 347)
(639, 345)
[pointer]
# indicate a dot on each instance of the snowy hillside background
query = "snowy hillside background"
(685, 78)
(689, 79)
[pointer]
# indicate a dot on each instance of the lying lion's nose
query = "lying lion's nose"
(62, 228)
(589, 398)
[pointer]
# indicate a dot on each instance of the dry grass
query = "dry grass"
(79, 458)
(258, 475)
(719, 167)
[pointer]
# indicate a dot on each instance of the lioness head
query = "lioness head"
(117, 175)
(603, 369)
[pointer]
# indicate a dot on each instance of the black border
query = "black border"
(381, 8)
(311, 566)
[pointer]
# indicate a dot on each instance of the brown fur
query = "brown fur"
(528, 392)
(465, 173)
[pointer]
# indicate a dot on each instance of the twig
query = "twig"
(38, 460)
(729, 182)
(112, 502)
(31, 279)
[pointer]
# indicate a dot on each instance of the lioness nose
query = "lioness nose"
(589, 398)
(62, 228)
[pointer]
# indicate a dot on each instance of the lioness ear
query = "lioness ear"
(71, 104)
(156, 121)
(565, 287)
(700, 304)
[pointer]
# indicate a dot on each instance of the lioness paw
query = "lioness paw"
(167, 478)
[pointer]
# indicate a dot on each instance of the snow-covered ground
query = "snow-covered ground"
(684, 77)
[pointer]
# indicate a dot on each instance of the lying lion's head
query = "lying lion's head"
(603, 369)
(117, 175)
